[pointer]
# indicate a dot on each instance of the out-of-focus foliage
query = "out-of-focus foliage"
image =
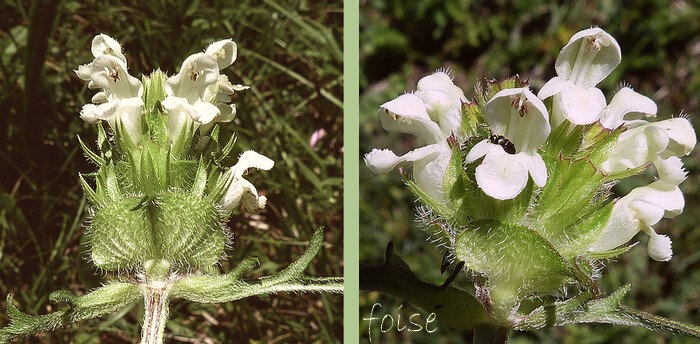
(401, 41)
(289, 53)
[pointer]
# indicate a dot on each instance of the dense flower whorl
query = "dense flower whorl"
(522, 119)
(589, 57)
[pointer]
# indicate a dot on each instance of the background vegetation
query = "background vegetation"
(401, 41)
(289, 53)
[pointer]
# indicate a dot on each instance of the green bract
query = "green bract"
(522, 204)
(161, 196)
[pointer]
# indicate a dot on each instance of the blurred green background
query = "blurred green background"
(402, 41)
(289, 53)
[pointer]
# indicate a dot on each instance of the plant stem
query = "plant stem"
(491, 335)
(155, 313)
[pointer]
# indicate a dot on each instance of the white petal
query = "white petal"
(109, 73)
(589, 57)
(225, 85)
(382, 161)
(502, 175)
(659, 247)
(129, 113)
(443, 101)
(627, 105)
(105, 45)
(681, 134)
(622, 225)
(407, 114)
(429, 168)
(227, 112)
(580, 105)
(551, 87)
(636, 147)
(538, 170)
(241, 192)
(642, 207)
(670, 169)
(106, 111)
(647, 212)
(224, 52)
(665, 195)
(197, 72)
(251, 159)
(179, 115)
(89, 113)
(83, 72)
(205, 112)
(520, 116)
(99, 98)
(479, 150)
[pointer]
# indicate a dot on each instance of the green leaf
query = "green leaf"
(517, 261)
(92, 156)
(89, 192)
(453, 306)
(188, 229)
(608, 310)
(432, 203)
(609, 254)
(120, 235)
(104, 300)
(568, 211)
(231, 286)
(473, 123)
(200, 179)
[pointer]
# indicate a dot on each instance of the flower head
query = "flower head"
(638, 211)
(658, 142)
(520, 125)
(589, 57)
(432, 114)
(241, 191)
(119, 100)
(198, 95)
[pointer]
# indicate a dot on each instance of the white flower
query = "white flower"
(198, 94)
(638, 211)
(589, 57)
(242, 192)
(432, 114)
(443, 101)
(407, 114)
(119, 100)
(520, 125)
(658, 142)
(627, 107)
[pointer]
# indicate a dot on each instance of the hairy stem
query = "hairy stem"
(491, 335)
(155, 313)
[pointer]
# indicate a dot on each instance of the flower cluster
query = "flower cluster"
(518, 127)
(432, 114)
(119, 100)
(195, 98)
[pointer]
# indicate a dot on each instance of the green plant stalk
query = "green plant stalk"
(155, 298)
(491, 335)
